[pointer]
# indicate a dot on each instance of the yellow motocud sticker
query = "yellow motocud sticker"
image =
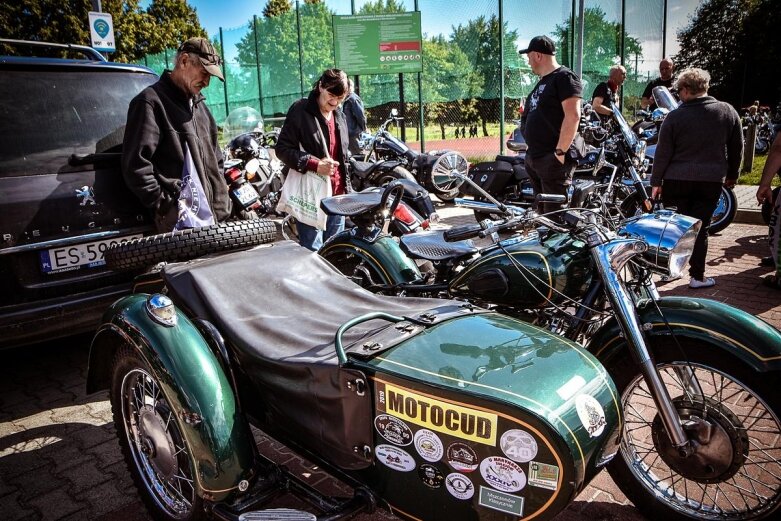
(455, 420)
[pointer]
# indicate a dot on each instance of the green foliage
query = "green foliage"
(379, 7)
(165, 23)
(738, 43)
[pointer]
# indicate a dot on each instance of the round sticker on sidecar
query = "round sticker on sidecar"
(393, 429)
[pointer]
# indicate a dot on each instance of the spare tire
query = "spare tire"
(182, 245)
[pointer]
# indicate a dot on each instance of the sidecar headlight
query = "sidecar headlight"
(670, 237)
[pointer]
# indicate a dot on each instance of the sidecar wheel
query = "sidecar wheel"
(189, 244)
(736, 474)
(725, 211)
(155, 451)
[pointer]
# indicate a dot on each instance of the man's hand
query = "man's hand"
(656, 192)
(764, 193)
(559, 158)
(729, 183)
(326, 167)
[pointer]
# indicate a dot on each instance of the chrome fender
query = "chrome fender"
(190, 375)
(744, 336)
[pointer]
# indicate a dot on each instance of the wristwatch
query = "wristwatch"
(559, 152)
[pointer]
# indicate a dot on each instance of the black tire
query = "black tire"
(767, 206)
(631, 206)
(725, 211)
(190, 244)
(163, 476)
(744, 408)
(384, 177)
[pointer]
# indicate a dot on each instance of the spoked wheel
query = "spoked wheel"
(155, 451)
(440, 178)
(735, 472)
(386, 177)
(724, 212)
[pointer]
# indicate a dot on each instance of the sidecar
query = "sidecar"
(431, 409)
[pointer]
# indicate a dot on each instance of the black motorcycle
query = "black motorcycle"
(431, 170)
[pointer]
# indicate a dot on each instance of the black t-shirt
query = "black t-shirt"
(658, 82)
(607, 94)
(543, 113)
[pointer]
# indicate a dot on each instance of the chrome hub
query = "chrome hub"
(156, 443)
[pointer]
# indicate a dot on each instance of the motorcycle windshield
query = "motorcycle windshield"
(626, 130)
(240, 121)
(664, 98)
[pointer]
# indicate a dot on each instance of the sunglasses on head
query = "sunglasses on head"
(212, 59)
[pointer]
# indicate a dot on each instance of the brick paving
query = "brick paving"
(59, 459)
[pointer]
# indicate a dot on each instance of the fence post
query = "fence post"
(257, 62)
(420, 103)
(749, 144)
(300, 51)
(501, 76)
(225, 83)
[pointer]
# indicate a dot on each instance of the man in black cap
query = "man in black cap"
(550, 121)
(171, 159)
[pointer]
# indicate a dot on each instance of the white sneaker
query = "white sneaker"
(705, 283)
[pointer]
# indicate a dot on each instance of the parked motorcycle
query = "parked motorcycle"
(727, 206)
(431, 409)
(696, 395)
(430, 170)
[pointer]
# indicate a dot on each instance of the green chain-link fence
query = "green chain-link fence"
(473, 80)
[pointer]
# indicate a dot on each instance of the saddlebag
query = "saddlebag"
(491, 176)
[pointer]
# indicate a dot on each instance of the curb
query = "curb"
(745, 216)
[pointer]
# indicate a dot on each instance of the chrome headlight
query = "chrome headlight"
(670, 237)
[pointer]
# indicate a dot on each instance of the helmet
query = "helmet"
(244, 147)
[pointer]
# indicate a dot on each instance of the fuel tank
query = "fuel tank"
(533, 272)
(508, 421)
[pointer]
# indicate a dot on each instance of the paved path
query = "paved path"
(59, 459)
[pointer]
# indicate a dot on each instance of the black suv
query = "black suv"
(62, 196)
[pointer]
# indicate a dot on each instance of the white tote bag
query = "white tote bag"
(302, 193)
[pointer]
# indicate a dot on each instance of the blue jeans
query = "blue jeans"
(312, 238)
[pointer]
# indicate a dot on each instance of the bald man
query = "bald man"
(665, 79)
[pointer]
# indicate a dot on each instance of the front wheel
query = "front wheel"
(155, 451)
(735, 472)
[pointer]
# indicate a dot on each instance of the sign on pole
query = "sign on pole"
(378, 43)
(101, 30)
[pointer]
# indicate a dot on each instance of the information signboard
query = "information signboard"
(101, 30)
(378, 43)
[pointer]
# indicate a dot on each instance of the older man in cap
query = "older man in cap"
(171, 160)
(550, 121)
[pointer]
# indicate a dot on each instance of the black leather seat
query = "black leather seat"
(433, 246)
(352, 204)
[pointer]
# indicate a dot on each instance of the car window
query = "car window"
(46, 116)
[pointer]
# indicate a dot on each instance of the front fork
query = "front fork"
(610, 258)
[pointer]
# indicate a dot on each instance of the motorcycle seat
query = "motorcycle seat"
(363, 168)
(353, 204)
(518, 163)
(433, 246)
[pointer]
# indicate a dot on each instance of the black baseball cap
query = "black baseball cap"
(541, 44)
(205, 51)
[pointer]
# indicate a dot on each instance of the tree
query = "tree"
(276, 8)
(738, 43)
(165, 24)
(380, 7)
(479, 40)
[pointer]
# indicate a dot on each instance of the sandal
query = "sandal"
(772, 281)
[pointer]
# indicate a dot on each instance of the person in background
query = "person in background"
(606, 93)
(765, 195)
(690, 165)
(665, 79)
(170, 156)
(314, 141)
(550, 121)
(356, 117)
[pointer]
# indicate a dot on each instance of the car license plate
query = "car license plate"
(77, 256)
(246, 194)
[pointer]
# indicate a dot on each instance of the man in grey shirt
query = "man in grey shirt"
(700, 149)
(356, 118)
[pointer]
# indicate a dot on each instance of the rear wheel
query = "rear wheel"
(356, 267)
(155, 451)
(388, 176)
(735, 472)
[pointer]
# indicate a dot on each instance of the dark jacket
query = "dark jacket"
(354, 114)
(159, 123)
(300, 131)
(701, 140)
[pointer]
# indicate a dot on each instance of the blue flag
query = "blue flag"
(194, 210)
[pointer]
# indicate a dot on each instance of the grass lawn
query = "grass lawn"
(752, 178)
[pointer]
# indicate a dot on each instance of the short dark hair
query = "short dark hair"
(334, 81)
